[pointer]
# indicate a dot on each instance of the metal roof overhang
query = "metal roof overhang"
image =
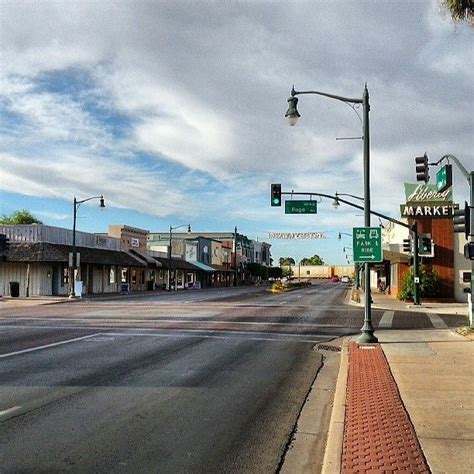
(202, 266)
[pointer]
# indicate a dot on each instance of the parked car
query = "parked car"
(335, 279)
(345, 279)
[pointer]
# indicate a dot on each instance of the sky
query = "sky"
(174, 111)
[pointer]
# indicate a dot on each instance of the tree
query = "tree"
(257, 270)
(19, 217)
(286, 261)
(314, 260)
(460, 10)
(275, 272)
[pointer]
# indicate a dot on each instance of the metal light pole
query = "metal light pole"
(292, 114)
(73, 263)
(235, 256)
(356, 265)
(169, 254)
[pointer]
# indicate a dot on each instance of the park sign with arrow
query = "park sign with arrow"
(367, 243)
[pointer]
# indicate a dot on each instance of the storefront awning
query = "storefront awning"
(202, 266)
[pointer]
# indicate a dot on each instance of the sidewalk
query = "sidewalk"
(405, 404)
(383, 301)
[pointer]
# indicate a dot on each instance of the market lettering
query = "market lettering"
(431, 211)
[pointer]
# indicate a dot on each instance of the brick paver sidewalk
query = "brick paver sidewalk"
(378, 434)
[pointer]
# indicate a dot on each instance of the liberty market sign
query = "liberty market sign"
(424, 200)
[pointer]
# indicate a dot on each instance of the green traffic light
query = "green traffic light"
(276, 201)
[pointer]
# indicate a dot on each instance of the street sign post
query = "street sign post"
(301, 207)
(367, 244)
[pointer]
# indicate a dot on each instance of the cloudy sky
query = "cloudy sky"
(174, 110)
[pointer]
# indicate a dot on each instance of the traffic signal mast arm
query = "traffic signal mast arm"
(413, 228)
(337, 198)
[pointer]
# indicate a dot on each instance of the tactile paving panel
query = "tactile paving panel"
(378, 434)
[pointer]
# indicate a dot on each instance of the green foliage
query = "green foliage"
(460, 10)
(275, 272)
(314, 260)
(429, 284)
(286, 261)
(257, 270)
(19, 217)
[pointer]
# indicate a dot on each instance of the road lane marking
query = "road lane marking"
(233, 334)
(47, 346)
(387, 319)
(436, 321)
(9, 410)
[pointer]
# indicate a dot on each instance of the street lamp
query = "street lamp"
(292, 115)
(169, 253)
(73, 264)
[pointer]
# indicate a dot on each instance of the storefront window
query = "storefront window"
(134, 277)
(124, 276)
(111, 275)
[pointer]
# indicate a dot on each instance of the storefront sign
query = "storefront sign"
(426, 193)
(408, 210)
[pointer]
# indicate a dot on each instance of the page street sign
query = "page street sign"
(301, 207)
(367, 243)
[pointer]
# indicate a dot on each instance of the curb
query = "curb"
(332, 461)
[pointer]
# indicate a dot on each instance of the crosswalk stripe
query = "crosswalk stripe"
(436, 321)
(387, 319)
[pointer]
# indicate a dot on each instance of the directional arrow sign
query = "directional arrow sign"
(367, 243)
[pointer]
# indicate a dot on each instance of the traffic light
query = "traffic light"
(462, 220)
(407, 245)
(469, 250)
(425, 245)
(276, 194)
(422, 170)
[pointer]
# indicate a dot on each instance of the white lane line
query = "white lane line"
(9, 410)
(47, 346)
(436, 321)
(209, 336)
(387, 319)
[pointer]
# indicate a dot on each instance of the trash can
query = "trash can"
(14, 289)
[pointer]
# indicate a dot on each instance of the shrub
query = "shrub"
(429, 284)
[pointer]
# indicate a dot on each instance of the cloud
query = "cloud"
(163, 104)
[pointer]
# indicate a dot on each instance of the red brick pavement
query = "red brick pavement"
(378, 434)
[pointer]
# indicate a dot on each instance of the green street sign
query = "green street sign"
(367, 244)
(444, 178)
(301, 207)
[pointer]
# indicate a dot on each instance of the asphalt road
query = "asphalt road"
(209, 381)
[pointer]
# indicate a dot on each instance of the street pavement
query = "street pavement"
(405, 404)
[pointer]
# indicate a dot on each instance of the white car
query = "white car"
(345, 279)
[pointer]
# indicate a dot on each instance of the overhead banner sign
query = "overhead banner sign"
(297, 235)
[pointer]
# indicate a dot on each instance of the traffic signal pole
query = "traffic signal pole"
(416, 265)
(471, 239)
(470, 232)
